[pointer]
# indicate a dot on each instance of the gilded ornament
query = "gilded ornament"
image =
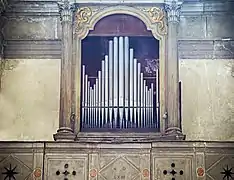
(157, 16)
(82, 17)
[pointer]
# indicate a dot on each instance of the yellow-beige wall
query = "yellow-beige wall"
(29, 99)
(208, 99)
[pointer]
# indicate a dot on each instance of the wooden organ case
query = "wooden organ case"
(119, 74)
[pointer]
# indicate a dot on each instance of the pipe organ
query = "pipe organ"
(120, 96)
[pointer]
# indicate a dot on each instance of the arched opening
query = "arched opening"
(120, 77)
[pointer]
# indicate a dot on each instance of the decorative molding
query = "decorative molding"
(82, 18)
(205, 49)
(157, 16)
(51, 49)
(26, 49)
(32, 8)
(87, 17)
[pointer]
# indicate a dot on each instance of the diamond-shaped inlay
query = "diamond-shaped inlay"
(11, 168)
(120, 169)
(218, 169)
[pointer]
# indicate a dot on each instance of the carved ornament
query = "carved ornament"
(157, 15)
(173, 11)
(66, 11)
(87, 17)
(83, 16)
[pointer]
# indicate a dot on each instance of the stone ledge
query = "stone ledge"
(156, 144)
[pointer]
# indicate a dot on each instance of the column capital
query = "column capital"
(3, 5)
(173, 8)
(66, 10)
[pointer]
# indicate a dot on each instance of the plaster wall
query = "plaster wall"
(29, 99)
(207, 99)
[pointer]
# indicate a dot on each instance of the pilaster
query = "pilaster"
(65, 132)
(2, 46)
(173, 121)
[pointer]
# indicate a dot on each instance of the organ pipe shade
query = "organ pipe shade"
(120, 96)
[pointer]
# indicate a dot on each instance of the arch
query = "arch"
(88, 19)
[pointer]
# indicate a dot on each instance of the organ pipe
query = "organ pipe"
(96, 104)
(138, 94)
(111, 75)
(131, 84)
(121, 80)
(106, 104)
(126, 75)
(135, 90)
(83, 94)
(103, 91)
(100, 98)
(119, 95)
(157, 97)
(88, 104)
(115, 81)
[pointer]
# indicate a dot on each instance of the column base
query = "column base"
(174, 133)
(64, 134)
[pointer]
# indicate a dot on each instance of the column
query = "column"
(173, 121)
(65, 132)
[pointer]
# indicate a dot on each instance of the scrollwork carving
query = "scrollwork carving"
(83, 16)
(86, 16)
(157, 15)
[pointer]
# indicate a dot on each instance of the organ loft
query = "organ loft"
(116, 89)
